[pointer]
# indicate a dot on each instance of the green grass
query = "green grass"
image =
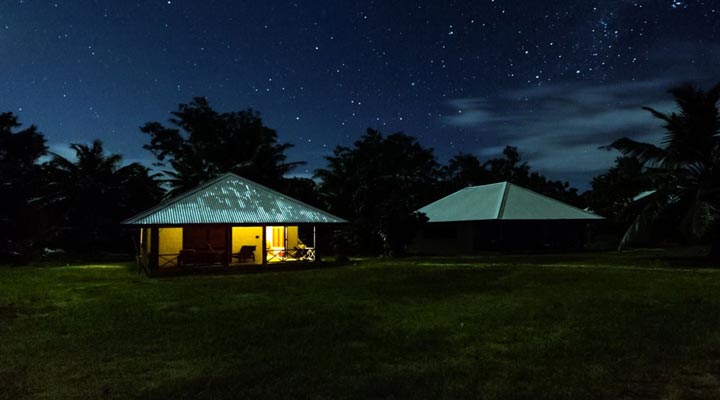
(595, 326)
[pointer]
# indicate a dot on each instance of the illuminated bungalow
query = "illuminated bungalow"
(228, 221)
(501, 216)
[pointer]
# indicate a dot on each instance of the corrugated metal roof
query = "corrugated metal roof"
(473, 203)
(501, 201)
(230, 199)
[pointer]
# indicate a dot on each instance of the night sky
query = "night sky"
(557, 79)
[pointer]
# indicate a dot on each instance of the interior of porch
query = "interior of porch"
(227, 246)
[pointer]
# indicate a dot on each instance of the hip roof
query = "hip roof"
(230, 199)
(501, 201)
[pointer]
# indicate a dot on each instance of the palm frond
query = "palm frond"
(644, 220)
(644, 152)
(657, 114)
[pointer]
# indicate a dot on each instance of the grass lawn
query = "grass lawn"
(590, 326)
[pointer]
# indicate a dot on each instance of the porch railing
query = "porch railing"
(284, 255)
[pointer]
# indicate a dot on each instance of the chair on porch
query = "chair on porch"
(246, 253)
(186, 257)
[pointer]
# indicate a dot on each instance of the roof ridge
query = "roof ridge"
(487, 184)
(503, 200)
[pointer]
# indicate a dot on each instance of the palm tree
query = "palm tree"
(87, 198)
(685, 171)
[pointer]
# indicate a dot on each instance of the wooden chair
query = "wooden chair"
(186, 257)
(245, 253)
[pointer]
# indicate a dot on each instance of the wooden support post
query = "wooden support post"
(315, 253)
(264, 245)
(228, 246)
(285, 244)
(154, 248)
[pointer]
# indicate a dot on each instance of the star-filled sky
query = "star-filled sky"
(557, 79)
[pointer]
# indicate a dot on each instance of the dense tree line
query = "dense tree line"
(377, 183)
(20, 179)
(52, 202)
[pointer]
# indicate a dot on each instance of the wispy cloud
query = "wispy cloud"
(559, 128)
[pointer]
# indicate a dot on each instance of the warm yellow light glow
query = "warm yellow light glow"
(95, 266)
(170, 243)
(275, 237)
(248, 236)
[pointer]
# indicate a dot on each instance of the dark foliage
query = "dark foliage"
(684, 172)
(20, 177)
(203, 143)
(378, 184)
(303, 189)
(86, 200)
(467, 170)
(614, 192)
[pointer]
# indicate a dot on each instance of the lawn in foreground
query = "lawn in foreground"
(532, 328)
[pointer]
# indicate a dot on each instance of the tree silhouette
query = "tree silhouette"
(203, 144)
(509, 167)
(464, 170)
(467, 170)
(20, 173)
(685, 172)
(88, 198)
(378, 184)
(613, 193)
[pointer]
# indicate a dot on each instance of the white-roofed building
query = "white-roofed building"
(501, 216)
(228, 221)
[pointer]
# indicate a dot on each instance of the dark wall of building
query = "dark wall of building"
(466, 237)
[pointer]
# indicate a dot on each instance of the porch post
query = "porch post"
(315, 253)
(228, 245)
(285, 243)
(264, 246)
(154, 255)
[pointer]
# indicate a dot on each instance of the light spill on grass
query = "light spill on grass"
(98, 266)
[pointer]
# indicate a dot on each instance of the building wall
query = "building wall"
(468, 237)
(443, 239)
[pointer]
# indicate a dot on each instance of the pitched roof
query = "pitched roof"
(230, 199)
(501, 201)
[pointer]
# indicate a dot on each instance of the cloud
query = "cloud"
(472, 111)
(559, 128)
